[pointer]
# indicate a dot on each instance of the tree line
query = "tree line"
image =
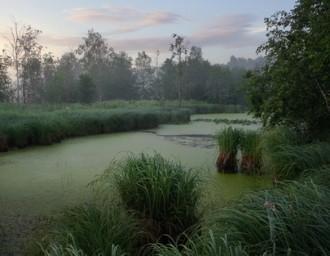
(94, 71)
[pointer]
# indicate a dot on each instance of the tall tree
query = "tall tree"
(67, 77)
(121, 77)
(87, 89)
(167, 77)
(297, 72)
(179, 52)
(25, 53)
(95, 55)
(144, 75)
(16, 51)
(196, 74)
(4, 77)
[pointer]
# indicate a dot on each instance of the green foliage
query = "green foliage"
(228, 140)
(293, 219)
(142, 200)
(251, 152)
(294, 87)
(4, 78)
(87, 89)
(290, 161)
(206, 245)
(93, 230)
(161, 193)
(40, 125)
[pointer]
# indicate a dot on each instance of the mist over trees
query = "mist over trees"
(94, 71)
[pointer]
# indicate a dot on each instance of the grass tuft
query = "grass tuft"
(250, 152)
(162, 194)
(228, 141)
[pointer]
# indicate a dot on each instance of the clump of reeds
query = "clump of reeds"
(162, 194)
(250, 152)
(150, 199)
(228, 141)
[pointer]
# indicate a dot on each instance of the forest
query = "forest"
(94, 71)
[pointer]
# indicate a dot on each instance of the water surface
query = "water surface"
(44, 179)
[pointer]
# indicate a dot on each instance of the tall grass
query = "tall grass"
(93, 230)
(42, 127)
(161, 193)
(293, 219)
(153, 200)
(228, 141)
(290, 161)
(250, 152)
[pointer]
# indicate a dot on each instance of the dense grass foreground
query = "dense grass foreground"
(293, 219)
(143, 200)
(150, 206)
(37, 126)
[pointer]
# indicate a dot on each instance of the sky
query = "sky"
(221, 27)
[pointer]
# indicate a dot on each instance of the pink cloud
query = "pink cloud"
(229, 32)
(123, 19)
(233, 31)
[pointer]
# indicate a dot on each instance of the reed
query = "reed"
(22, 128)
(228, 141)
(250, 152)
(162, 194)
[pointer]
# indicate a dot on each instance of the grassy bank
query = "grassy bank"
(22, 128)
(140, 201)
(26, 125)
(147, 205)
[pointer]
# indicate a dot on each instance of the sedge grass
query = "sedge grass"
(250, 152)
(228, 141)
(289, 161)
(34, 126)
(93, 230)
(292, 219)
(161, 193)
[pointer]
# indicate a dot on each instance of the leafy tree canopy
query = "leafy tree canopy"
(294, 87)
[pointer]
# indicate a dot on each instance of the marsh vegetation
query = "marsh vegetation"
(143, 180)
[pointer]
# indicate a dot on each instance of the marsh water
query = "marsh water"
(45, 179)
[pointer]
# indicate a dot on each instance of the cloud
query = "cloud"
(234, 31)
(228, 33)
(123, 19)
